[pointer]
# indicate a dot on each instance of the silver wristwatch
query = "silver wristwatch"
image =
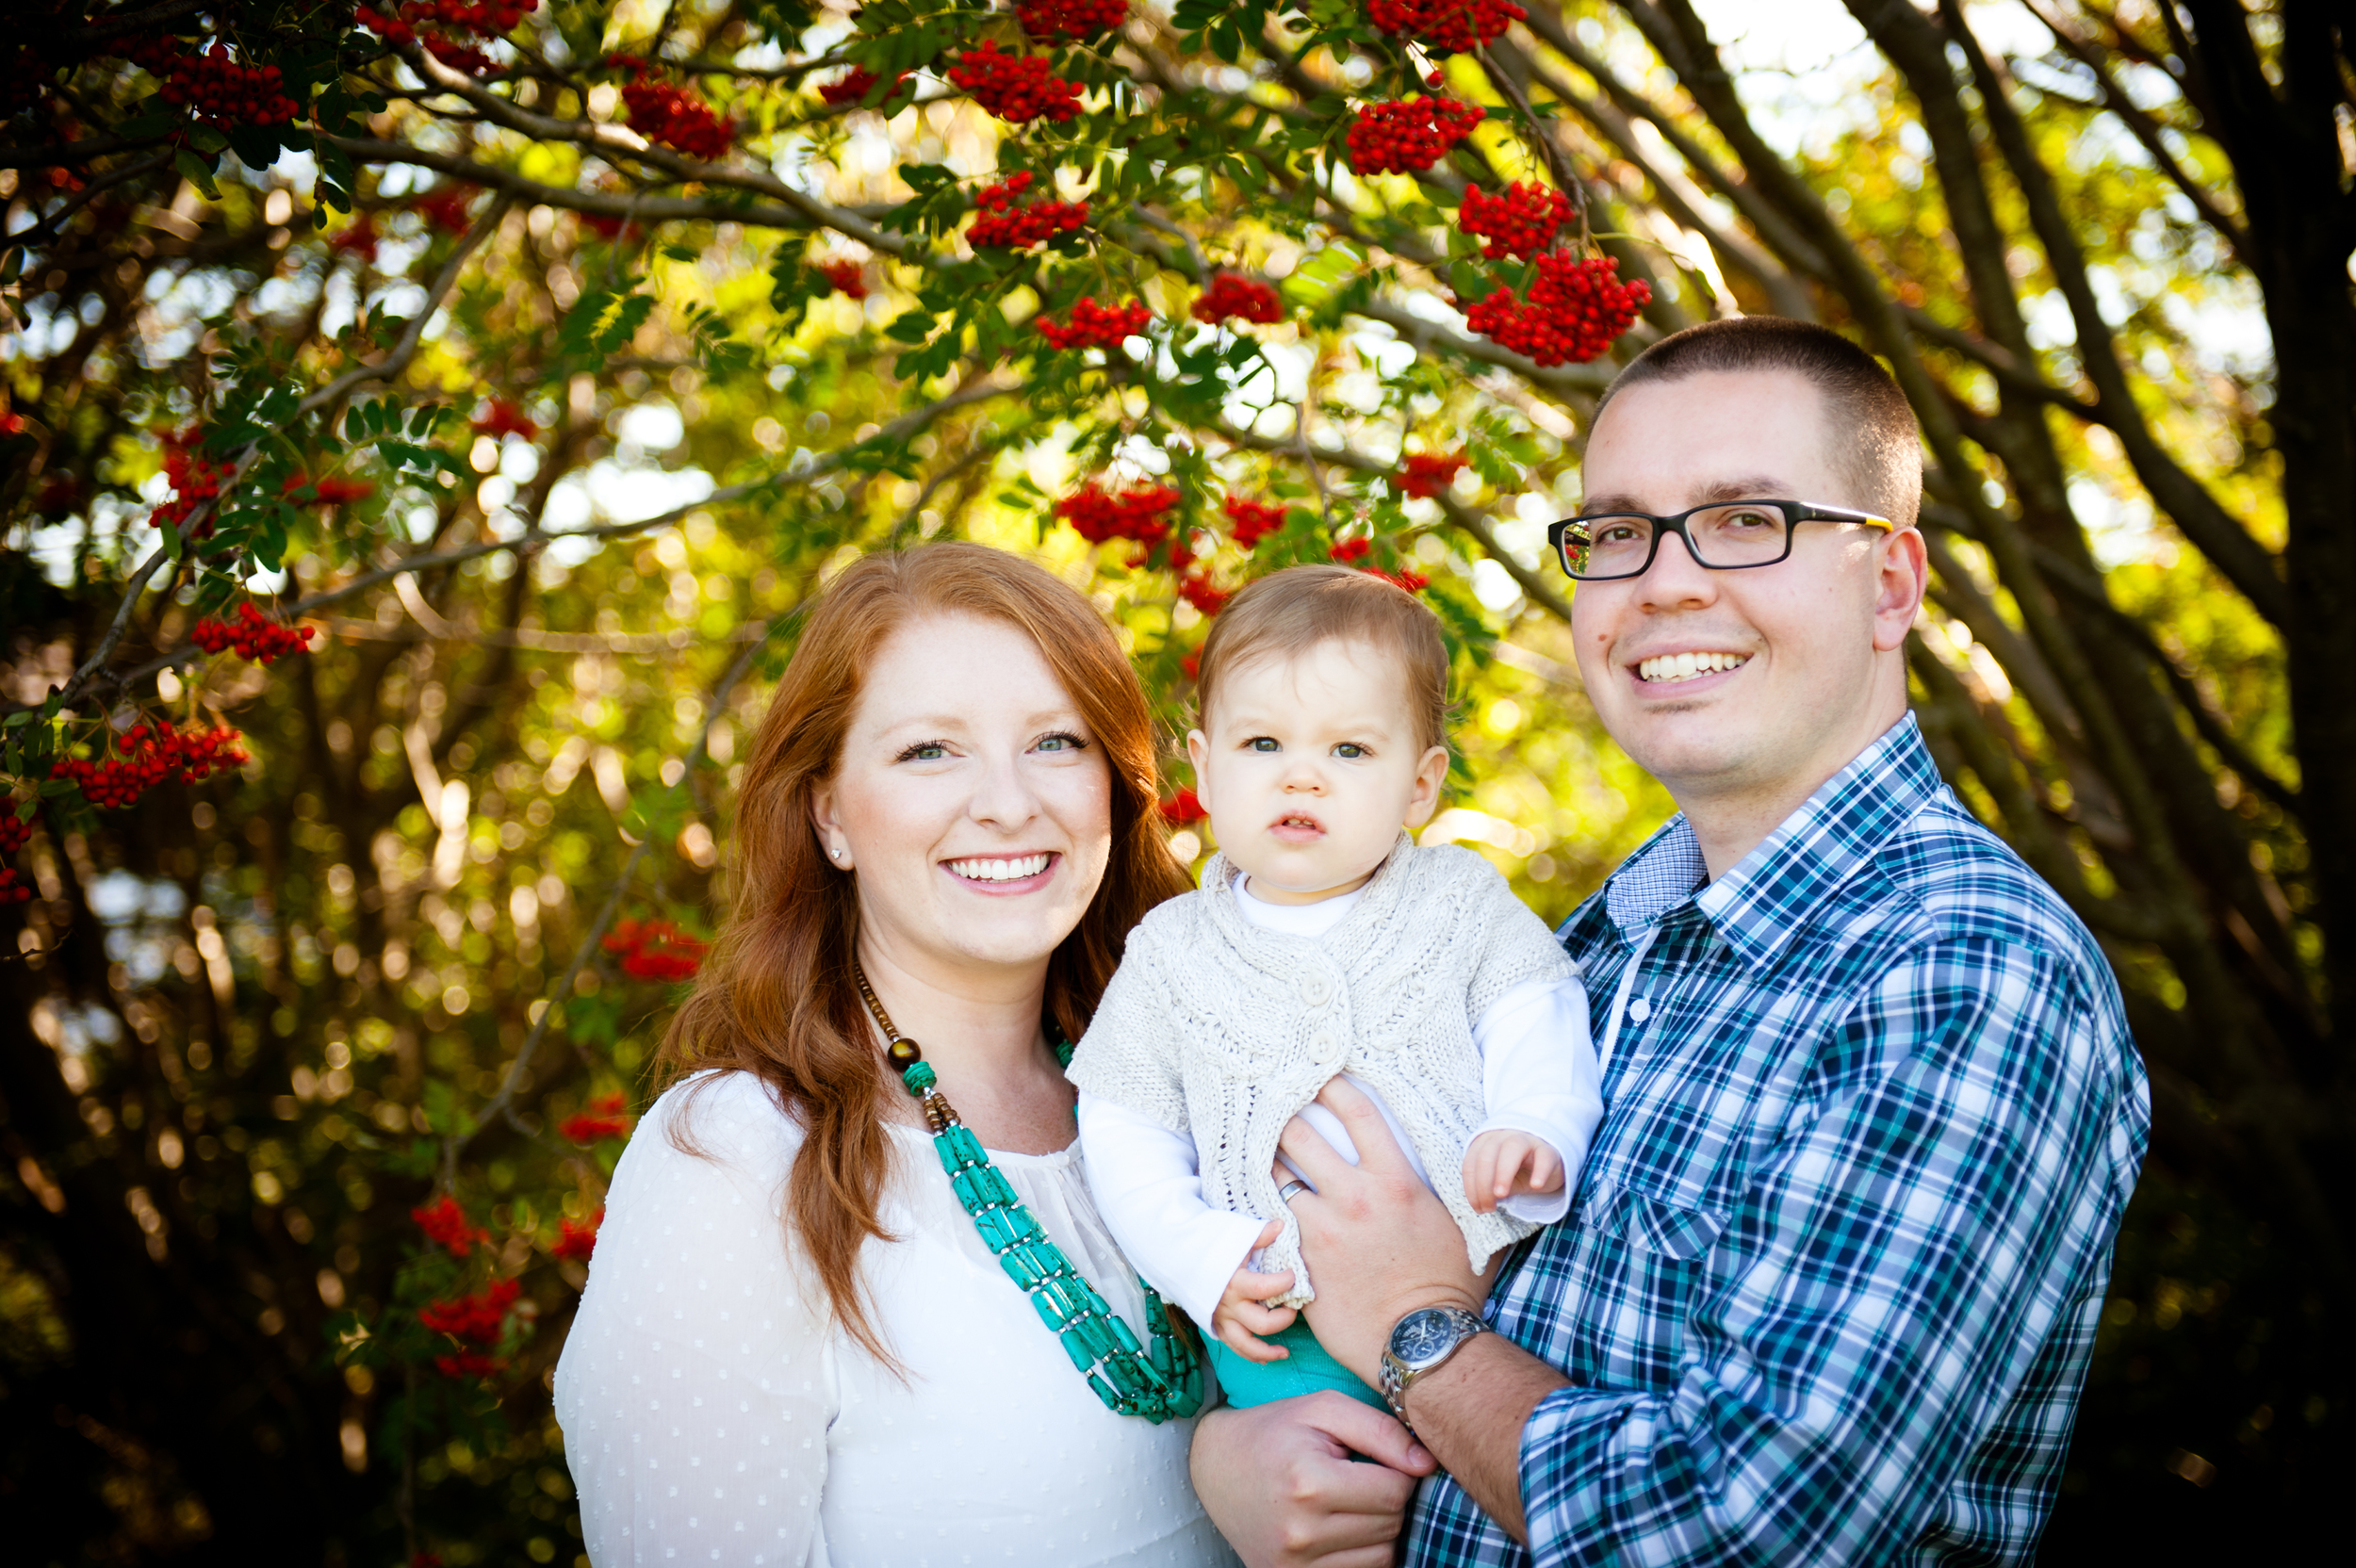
(1422, 1340)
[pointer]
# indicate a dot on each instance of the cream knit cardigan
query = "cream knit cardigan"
(1218, 1028)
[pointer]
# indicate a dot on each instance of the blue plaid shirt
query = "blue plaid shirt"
(1830, 1282)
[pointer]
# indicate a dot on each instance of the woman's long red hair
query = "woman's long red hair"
(778, 997)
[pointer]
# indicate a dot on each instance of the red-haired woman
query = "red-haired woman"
(832, 1319)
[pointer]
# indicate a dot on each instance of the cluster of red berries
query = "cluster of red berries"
(445, 207)
(1070, 18)
(1574, 312)
(846, 278)
(1199, 590)
(1253, 520)
(358, 238)
(1520, 221)
(26, 78)
(15, 833)
(1015, 87)
(1095, 326)
(1183, 809)
(1426, 474)
(481, 18)
(853, 84)
(446, 1226)
(1446, 27)
(1234, 298)
(656, 950)
(480, 1319)
(193, 482)
(577, 1239)
(254, 636)
(1099, 517)
(504, 418)
(1012, 226)
(1357, 553)
(330, 491)
(146, 758)
(1410, 136)
(602, 1120)
(211, 86)
(667, 113)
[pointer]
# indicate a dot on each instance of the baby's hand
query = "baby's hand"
(1240, 1318)
(1504, 1164)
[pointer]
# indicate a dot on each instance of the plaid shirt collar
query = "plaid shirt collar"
(1761, 905)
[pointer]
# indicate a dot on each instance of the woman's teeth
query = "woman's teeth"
(1000, 870)
(1685, 666)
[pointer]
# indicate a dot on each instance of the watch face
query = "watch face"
(1421, 1335)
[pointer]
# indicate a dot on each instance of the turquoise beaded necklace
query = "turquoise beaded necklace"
(1162, 1383)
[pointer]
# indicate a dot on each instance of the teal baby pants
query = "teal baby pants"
(1308, 1370)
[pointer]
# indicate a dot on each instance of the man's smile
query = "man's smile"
(1663, 669)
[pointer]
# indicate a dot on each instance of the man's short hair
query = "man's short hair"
(1286, 614)
(1871, 433)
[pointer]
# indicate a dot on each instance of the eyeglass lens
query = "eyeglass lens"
(1733, 535)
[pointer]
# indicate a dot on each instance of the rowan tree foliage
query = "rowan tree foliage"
(421, 425)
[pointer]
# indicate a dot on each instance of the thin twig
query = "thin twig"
(501, 1104)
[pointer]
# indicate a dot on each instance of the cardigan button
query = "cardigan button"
(1315, 991)
(1327, 1048)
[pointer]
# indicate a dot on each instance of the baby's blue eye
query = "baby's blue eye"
(1350, 750)
(1264, 743)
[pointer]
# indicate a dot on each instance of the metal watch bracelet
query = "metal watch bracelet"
(1422, 1342)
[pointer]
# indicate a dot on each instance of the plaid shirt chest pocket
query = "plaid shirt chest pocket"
(1642, 1255)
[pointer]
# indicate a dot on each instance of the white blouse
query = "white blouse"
(713, 1412)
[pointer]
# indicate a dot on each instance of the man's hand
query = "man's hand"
(1377, 1242)
(1279, 1481)
(1241, 1316)
(1503, 1163)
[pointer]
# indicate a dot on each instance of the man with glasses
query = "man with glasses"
(1830, 1282)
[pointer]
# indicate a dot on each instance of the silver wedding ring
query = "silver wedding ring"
(1285, 1193)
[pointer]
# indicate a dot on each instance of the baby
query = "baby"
(1325, 942)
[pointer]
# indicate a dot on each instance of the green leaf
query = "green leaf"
(197, 172)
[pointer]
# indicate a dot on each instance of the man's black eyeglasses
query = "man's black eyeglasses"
(1724, 536)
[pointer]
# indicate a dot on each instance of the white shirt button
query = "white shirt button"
(1639, 1010)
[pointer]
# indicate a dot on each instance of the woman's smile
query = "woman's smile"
(998, 875)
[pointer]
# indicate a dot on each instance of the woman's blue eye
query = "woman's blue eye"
(1061, 742)
(1264, 743)
(925, 751)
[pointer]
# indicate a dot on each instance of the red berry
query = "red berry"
(1253, 520)
(1519, 222)
(1410, 136)
(1575, 310)
(1070, 18)
(1229, 297)
(1095, 326)
(853, 86)
(1007, 225)
(1446, 27)
(1422, 474)
(845, 278)
(1015, 87)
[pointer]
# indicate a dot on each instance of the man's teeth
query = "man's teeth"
(1685, 666)
(1000, 870)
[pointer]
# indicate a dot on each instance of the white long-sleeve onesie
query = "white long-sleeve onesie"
(1539, 1076)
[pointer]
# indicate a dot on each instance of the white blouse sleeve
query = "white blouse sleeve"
(697, 1384)
(1539, 1076)
(1147, 1182)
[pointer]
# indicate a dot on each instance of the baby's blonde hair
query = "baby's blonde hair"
(1288, 612)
